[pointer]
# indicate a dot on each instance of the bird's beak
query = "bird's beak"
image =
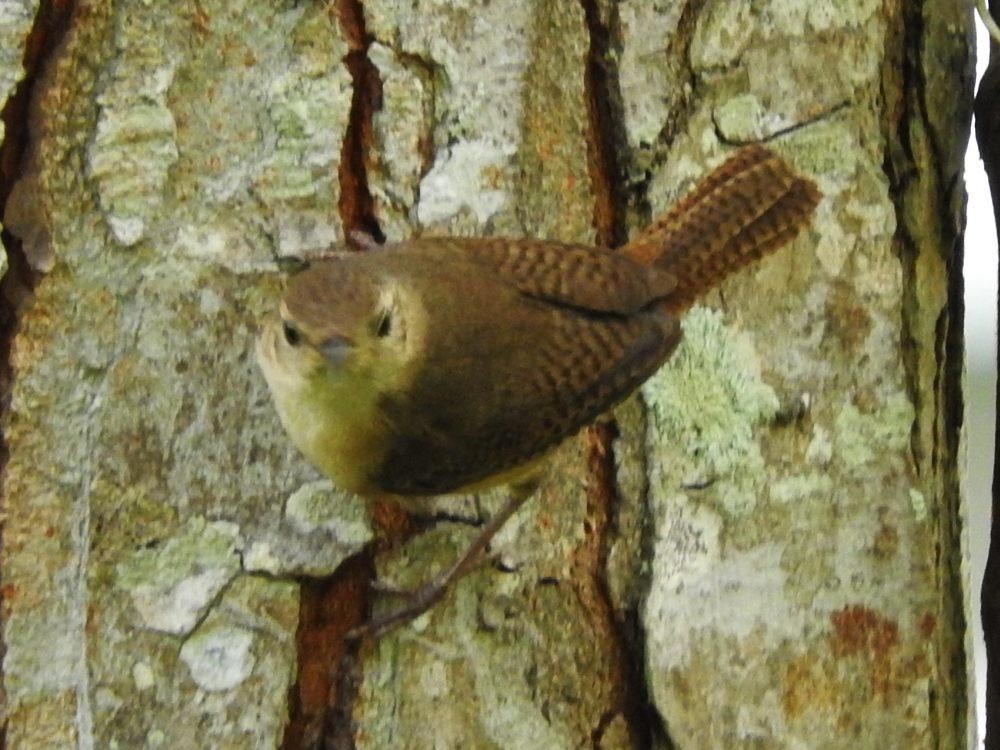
(336, 349)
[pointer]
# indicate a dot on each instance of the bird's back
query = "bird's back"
(506, 374)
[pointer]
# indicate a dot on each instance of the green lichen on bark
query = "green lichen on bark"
(173, 586)
(840, 506)
(146, 458)
(134, 143)
(238, 656)
(708, 399)
(789, 535)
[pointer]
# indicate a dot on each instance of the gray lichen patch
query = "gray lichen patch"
(219, 658)
(298, 108)
(308, 108)
(241, 656)
(862, 439)
(462, 182)
(134, 143)
(194, 693)
(173, 586)
(653, 76)
(316, 506)
(721, 35)
(320, 528)
(798, 487)
(791, 17)
(476, 134)
(456, 159)
(259, 153)
(857, 217)
(402, 134)
(696, 581)
(449, 37)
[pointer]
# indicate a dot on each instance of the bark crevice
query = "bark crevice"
(606, 139)
(327, 680)
(987, 108)
(928, 242)
(678, 53)
(329, 666)
(51, 23)
(607, 143)
(357, 206)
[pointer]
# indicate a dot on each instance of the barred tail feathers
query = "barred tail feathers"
(748, 207)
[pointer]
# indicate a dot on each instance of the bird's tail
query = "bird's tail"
(748, 207)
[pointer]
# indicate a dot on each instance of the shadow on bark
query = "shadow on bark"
(987, 111)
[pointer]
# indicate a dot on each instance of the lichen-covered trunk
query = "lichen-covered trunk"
(760, 550)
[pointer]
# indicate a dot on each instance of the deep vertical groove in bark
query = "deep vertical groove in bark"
(329, 607)
(357, 207)
(50, 25)
(918, 160)
(328, 666)
(678, 47)
(606, 142)
(949, 348)
(988, 136)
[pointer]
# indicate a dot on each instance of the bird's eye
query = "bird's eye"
(292, 335)
(384, 325)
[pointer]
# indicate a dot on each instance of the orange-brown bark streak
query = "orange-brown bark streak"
(605, 144)
(329, 607)
(357, 207)
(328, 667)
(52, 20)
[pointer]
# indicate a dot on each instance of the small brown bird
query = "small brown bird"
(447, 365)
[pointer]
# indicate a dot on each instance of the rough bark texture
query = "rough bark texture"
(762, 552)
(988, 138)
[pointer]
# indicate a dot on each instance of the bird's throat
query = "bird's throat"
(333, 419)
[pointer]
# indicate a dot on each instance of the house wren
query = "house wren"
(449, 365)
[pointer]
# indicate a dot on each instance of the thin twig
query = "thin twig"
(988, 22)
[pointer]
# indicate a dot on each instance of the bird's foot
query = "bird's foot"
(418, 600)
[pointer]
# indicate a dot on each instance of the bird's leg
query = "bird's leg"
(423, 597)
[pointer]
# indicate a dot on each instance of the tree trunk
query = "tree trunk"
(987, 108)
(760, 550)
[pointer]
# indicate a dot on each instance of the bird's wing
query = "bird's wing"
(580, 276)
(501, 393)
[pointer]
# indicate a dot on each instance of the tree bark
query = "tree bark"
(760, 550)
(987, 109)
